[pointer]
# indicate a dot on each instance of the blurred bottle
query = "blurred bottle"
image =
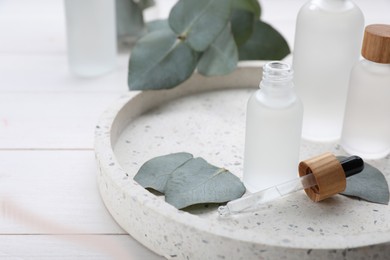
(327, 44)
(366, 129)
(91, 36)
(129, 22)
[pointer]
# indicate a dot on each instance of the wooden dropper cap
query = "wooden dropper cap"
(329, 175)
(376, 43)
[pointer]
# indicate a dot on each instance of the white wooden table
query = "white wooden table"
(50, 206)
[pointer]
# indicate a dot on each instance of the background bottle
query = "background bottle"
(91, 36)
(327, 43)
(273, 130)
(366, 129)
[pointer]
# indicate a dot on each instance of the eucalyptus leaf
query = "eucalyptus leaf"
(370, 184)
(157, 25)
(221, 57)
(199, 21)
(155, 172)
(200, 182)
(252, 6)
(160, 61)
(242, 23)
(265, 44)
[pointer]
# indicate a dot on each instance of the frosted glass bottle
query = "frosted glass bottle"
(273, 130)
(366, 129)
(91, 36)
(327, 43)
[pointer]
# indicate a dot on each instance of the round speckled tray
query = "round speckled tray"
(206, 117)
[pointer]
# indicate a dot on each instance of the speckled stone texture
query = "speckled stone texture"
(206, 117)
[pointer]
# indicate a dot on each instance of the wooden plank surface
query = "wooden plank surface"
(33, 73)
(47, 121)
(50, 208)
(32, 26)
(55, 185)
(94, 247)
(50, 120)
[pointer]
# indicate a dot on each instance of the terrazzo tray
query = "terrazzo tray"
(206, 117)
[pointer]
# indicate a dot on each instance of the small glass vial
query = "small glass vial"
(273, 130)
(91, 36)
(327, 44)
(366, 129)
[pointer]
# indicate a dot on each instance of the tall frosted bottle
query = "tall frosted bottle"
(91, 36)
(327, 43)
(366, 129)
(273, 130)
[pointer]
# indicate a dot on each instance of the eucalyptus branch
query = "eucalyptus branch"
(220, 32)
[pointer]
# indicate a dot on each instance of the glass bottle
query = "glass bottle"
(129, 22)
(327, 44)
(273, 129)
(366, 129)
(91, 36)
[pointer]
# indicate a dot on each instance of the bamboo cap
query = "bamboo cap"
(376, 43)
(329, 175)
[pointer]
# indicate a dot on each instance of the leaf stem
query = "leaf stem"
(182, 37)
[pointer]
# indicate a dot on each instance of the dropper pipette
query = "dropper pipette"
(319, 174)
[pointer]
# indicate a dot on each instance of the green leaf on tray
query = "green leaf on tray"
(265, 44)
(160, 60)
(370, 185)
(221, 57)
(200, 182)
(252, 6)
(242, 23)
(155, 172)
(188, 181)
(199, 21)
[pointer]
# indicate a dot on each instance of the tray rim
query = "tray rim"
(105, 156)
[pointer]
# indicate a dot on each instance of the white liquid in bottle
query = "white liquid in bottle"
(366, 129)
(273, 130)
(91, 36)
(327, 44)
